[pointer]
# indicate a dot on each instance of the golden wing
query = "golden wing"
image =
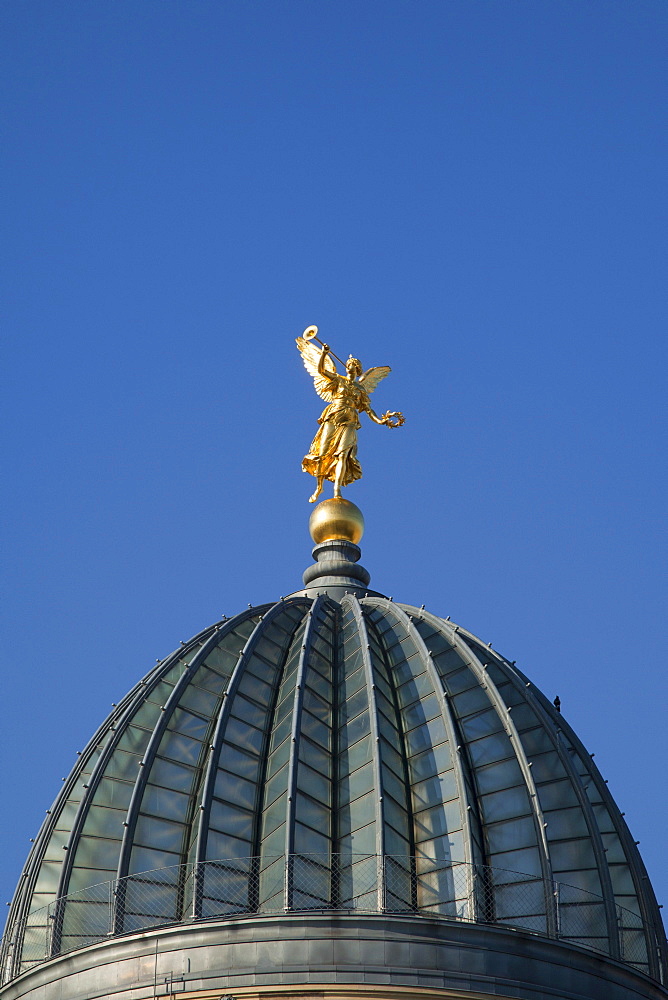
(373, 376)
(324, 386)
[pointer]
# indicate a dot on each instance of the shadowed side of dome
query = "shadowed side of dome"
(84, 838)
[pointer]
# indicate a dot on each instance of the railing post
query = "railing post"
(287, 890)
(8, 956)
(381, 882)
(557, 909)
(471, 888)
(198, 888)
(112, 898)
(48, 930)
(120, 891)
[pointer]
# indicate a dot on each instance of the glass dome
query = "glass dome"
(335, 751)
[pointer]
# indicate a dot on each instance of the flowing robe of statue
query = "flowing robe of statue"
(337, 437)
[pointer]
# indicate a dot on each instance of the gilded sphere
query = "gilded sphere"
(336, 519)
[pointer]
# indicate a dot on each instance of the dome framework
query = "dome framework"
(336, 753)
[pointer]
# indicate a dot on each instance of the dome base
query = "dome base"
(331, 957)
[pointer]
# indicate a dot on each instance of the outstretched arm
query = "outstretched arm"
(374, 416)
(389, 419)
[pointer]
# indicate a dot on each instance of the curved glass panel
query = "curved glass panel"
(310, 879)
(435, 809)
(160, 823)
(510, 837)
(235, 827)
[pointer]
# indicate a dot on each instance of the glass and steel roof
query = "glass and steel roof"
(335, 751)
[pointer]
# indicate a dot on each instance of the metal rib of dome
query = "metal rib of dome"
(335, 754)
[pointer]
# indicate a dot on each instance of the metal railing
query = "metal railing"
(309, 882)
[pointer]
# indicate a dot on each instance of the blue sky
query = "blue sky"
(471, 191)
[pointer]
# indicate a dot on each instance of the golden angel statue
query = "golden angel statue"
(333, 451)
